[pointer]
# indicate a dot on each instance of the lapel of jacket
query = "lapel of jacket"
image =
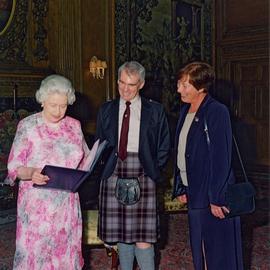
(145, 118)
(114, 118)
(198, 118)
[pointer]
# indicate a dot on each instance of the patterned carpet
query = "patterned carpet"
(174, 250)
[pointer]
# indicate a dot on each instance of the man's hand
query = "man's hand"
(182, 198)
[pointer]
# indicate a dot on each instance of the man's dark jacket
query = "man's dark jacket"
(154, 141)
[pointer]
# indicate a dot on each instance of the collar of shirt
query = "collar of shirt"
(133, 102)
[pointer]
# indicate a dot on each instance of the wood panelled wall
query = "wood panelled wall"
(80, 30)
(242, 57)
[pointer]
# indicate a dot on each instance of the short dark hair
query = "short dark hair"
(201, 75)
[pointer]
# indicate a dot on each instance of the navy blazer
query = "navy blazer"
(208, 166)
(154, 141)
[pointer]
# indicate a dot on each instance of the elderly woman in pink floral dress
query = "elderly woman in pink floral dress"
(49, 224)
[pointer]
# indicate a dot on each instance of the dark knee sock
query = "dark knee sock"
(126, 255)
(145, 258)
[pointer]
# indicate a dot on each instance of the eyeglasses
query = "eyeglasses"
(128, 85)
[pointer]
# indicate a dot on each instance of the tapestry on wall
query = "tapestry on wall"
(163, 35)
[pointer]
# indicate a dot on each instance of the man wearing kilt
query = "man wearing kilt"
(137, 130)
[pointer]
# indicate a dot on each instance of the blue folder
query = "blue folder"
(70, 179)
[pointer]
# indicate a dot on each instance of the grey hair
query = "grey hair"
(55, 84)
(132, 67)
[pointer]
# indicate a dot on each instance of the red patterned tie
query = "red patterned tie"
(124, 133)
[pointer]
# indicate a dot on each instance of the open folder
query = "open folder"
(70, 179)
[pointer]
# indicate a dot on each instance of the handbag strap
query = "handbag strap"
(235, 145)
(240, 158)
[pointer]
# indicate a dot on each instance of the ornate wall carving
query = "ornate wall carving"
(16, 43)
(13, 42)
(43, 37)
(128, 29)
(121, 23)
(40, 12)
(24, 49)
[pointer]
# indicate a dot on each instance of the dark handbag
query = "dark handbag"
(240, 197)
(127, 190)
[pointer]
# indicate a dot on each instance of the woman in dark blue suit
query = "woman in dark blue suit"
(203, 170)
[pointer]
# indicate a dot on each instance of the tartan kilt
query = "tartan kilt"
(128, 223)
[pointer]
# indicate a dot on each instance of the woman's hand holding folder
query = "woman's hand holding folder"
(38, 178)
(33, 174)
(69, 179)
